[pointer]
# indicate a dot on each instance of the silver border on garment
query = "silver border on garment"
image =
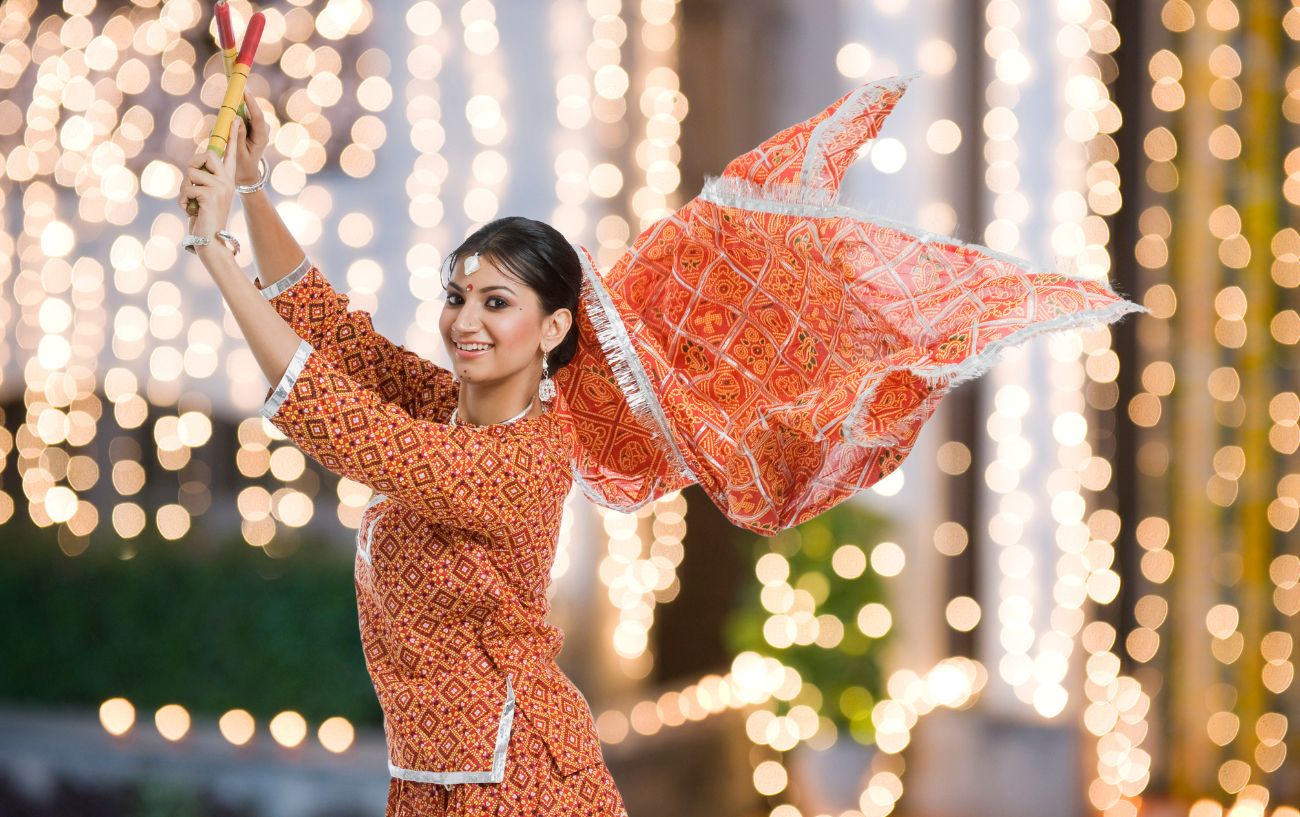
(368, 531)
(287, 281)
(285, 385)
(498, 772)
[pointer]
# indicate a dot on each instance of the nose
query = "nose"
(467, 314)
(465, 323)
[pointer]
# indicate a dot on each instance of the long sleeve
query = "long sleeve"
(320, 316)
(485, 479)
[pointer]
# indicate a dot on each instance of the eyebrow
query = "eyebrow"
(455, 286)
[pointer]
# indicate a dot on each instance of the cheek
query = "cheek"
(515, 332)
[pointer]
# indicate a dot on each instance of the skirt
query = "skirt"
(532, 787)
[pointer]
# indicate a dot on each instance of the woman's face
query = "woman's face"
(490, 307)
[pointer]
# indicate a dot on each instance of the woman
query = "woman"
(455, 551)
(765, 341)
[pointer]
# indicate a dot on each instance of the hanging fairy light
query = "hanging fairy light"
(89, 129)
(572, 35)
(639, 574)
(662, 107)
(485, 112)
(581, 177)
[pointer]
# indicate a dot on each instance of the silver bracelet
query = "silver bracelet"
(229, 240)
(260, 183)
(190, 242)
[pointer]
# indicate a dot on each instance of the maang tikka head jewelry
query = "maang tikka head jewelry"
(471, 264)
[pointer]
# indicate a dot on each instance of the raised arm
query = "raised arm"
(488, 480)
(305, 300)
(485, 479)
(320, 316)
(275, 252)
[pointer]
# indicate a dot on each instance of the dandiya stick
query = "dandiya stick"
(234, 92)
(238, 81)
(229, 50)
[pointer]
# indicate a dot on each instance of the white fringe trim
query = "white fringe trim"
(814, 163)
(623, 361)
(597, 498)
(818, 202)
(954, 374)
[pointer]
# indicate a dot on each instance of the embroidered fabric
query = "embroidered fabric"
(784, 349)
(290, 377)
(449, 572)
(494, 775)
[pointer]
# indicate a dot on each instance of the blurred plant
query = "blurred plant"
(159, 622)
(802, 606)
(160, 797)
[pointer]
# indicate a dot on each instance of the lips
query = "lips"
(467, 353)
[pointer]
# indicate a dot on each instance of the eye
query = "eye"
(503, 303)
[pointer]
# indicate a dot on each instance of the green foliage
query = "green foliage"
(842, 681)
(158, 797)
(210, 631)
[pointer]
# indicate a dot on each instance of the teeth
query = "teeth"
(474, 348)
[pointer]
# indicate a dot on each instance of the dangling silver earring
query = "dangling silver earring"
(546, 390)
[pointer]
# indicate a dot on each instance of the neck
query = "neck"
(481, 405)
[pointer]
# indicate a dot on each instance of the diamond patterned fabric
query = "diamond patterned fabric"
(784, 350)
(453, 561)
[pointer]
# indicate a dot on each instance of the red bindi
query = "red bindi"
(469, 287)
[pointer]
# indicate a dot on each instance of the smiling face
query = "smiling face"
(491, 307)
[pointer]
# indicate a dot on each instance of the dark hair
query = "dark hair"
(539, 257)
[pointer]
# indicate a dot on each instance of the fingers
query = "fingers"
(199, 177)
(206, 160)
(255, 116)
(201, 196)
(236, 144)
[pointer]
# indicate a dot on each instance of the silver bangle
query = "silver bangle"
(191, 241)
(260, 183)
(229, 240)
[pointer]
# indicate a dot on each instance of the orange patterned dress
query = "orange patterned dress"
(453, 560)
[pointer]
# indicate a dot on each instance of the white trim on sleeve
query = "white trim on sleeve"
(283, 285)
(282, 388)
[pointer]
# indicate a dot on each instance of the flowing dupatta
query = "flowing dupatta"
(782, 350)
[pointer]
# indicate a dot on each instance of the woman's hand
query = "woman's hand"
(247, 170)
(211, 182)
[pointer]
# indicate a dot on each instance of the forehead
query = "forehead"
(487, 275)
(487, 272)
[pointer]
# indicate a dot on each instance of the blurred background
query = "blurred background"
(1078, 596)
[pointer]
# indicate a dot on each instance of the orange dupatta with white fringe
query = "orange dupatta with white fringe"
(782, 350)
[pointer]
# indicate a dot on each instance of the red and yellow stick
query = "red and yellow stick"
(234, 93)
(238, 81)
(229, 50)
